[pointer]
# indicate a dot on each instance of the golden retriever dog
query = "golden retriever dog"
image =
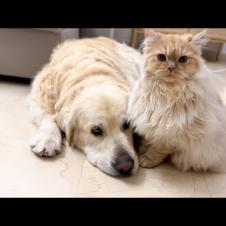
(83, 93)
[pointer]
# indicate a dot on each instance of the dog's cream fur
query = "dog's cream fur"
(186, 120)
(86, 83)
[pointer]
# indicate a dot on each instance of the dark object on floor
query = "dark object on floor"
(13, 79)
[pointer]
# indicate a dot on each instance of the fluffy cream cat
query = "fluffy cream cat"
(176, 107)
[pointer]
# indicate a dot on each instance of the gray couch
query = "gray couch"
(25, 51)
(119, 34)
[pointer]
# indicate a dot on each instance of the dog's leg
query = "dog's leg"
(48, 141)
(153, 157)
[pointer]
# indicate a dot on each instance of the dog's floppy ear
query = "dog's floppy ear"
(67, 115)
(67, 122)
(71, 130)
(70, 136)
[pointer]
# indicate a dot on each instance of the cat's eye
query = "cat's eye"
(161, 57)
(97, 131)
(125, 125)
(183, 59)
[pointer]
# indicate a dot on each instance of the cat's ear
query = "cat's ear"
(150, 33)
(150, 36)
(200, 38)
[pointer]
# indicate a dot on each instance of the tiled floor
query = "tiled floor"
(22, 174)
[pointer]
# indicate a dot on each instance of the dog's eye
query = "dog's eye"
(125, 125)
(161, 57)
(97, 131)
(183, 59)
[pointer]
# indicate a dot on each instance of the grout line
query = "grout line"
(207, 186)
(79, 180)
(194, 184)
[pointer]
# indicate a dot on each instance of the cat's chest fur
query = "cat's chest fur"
(167, 111)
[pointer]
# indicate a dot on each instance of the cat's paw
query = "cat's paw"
(46, 145)
(146, 162)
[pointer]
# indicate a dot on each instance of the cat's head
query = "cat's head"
(172, 57)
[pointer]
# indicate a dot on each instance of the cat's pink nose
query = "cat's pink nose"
(171, 68)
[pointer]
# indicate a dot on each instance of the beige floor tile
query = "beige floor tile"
(22, 174)
(163, 181)
(216, 184)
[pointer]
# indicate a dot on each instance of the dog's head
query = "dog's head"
(96, 123)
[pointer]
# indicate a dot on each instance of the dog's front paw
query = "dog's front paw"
(45, 145)
(146, 162)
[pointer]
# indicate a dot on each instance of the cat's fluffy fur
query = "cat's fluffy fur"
(179, 113)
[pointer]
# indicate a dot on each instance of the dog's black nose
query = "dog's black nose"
(123, 164)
